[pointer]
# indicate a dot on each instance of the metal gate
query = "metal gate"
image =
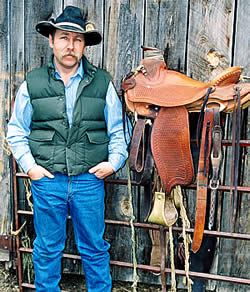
(19, 214)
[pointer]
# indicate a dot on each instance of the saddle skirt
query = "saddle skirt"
(170, 143)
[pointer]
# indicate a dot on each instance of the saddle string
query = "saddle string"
(171, 245)
(186, 237)
(206, 148)
(165, 54)
(201, 115)
(244, 77)
(232, 163)
(125, 119)
(235, 155)
(132, 218)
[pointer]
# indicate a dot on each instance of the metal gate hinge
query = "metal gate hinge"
(7, 242)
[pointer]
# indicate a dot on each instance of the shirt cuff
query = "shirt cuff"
(27, 162)
(116, 161)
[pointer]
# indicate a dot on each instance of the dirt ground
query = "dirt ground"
(8, 283)
(8, 280)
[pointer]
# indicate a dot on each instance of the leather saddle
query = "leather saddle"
(154, 85)
(166, 97)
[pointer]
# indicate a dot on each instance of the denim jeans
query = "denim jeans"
(83, 197)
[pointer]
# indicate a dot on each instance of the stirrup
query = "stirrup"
(164, 211)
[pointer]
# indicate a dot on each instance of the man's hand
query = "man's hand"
(37, 172)
(102, 170)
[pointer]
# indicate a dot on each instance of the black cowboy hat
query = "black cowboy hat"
(71, 19)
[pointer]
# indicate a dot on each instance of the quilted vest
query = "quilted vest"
(56, 146)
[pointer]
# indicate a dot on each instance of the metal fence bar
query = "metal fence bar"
(158, 269)
(229, 235)
(240, 189)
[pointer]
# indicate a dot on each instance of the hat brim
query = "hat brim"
(91, 37)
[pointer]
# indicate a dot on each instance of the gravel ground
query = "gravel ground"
(70, 283)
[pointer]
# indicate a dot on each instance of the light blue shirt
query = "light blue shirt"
(19, 125)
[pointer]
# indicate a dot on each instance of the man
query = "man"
(66, 133)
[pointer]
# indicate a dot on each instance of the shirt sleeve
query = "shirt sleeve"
(19, 129)
(113, 115)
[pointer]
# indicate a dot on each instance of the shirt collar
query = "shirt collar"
(79, 71)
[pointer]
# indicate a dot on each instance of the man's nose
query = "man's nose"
(71, 44)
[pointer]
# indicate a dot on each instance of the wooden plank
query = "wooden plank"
(242, 36)
(209, 38)
(234, 259)
(17, 45)
(123, 37)
(33, 51)
(94, 10)
(5, 214)
(209, 51)
(17, 56)
(4, 104)
(30, 50)
(166, 23)
(37, 50)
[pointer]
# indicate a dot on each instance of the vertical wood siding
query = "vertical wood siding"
(204, 38)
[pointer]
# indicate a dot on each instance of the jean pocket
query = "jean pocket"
(39, 179)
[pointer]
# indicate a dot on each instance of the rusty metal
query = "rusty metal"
(228, 235)
(157, 270)
(18, 260)
(134, 183)
(206, 276)
(243, 143)
(7, 242)
(31, 286)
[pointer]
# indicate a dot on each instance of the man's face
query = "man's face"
(68, 48)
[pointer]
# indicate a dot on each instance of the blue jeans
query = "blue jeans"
(83, 197)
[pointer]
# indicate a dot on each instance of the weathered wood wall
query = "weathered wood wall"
(205, 37)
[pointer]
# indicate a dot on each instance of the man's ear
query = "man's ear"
(51, 41)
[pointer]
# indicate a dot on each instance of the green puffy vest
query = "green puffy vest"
(53, 144)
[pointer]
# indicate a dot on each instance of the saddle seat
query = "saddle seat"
(160, 87)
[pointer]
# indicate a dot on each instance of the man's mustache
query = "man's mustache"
(70, 54)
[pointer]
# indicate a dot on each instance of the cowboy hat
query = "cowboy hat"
(72, 20)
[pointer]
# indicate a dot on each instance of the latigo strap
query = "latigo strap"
(202, 179)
